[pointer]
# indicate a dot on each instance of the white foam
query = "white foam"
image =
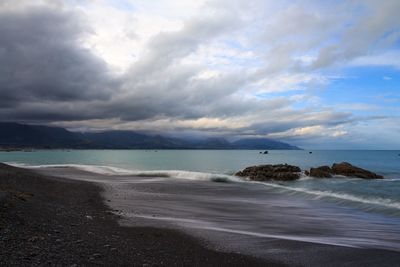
(388, 203)
(205, 225)
(203, 176)
(115, 171)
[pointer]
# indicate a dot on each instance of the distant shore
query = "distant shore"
(53, 221)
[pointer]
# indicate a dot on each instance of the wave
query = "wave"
(115, 171)
(215, 177)
(200, 224)
(342, 241)
(385, 202)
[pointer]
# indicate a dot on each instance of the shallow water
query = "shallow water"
(219, 165)
(196, 190)
(249, 218)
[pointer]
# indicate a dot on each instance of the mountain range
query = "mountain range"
(18, 135)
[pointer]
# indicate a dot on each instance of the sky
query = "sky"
(316, 74)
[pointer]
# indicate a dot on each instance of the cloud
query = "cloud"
(383, 59)
(232, 68)
(43, 61)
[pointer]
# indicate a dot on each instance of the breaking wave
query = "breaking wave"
(384, 202)
(115, 171)
(224, 178)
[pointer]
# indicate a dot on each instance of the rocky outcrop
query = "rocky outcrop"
(321, 172)
(281, 172)
(285, 172)
(346, 169)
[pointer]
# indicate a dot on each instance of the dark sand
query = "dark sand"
(48, 221)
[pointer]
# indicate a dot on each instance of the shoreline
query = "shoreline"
(54, 221)
(64, 217)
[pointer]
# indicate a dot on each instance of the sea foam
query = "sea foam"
(115, 171)
(215, 177)
(384, 202)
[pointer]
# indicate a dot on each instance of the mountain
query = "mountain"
(22, 135)
(15, 135)
(261, 143)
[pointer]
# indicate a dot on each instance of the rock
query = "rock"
(281, 172)
(346, 169)
(321, 172)
(265, 152)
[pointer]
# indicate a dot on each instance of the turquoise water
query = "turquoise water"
(180, 187)
(217, 161)
(376, 195)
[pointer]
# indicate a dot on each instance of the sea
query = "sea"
(197, 191)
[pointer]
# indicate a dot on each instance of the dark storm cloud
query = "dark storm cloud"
(47, 76)
(42, 59)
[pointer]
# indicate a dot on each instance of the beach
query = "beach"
(200, 133)
(60, 222)
(65, 216)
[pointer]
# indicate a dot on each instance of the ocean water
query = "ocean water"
(196, 189)
(222, 164)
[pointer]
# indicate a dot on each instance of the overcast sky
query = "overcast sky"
(317, 74)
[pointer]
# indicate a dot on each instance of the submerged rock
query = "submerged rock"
(321, 172)
(281, 172)
(349, 170)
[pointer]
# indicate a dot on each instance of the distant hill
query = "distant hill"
(262, 143)
(17, 135)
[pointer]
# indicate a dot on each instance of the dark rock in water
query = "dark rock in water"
(281, 172)
(349, 170)
(310, 152)
(321, 172)
(265, 152)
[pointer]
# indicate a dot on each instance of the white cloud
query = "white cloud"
(310, 132)
(384, 59)
(216, 65)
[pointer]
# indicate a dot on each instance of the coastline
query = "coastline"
(58, 218)
(60, 222)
